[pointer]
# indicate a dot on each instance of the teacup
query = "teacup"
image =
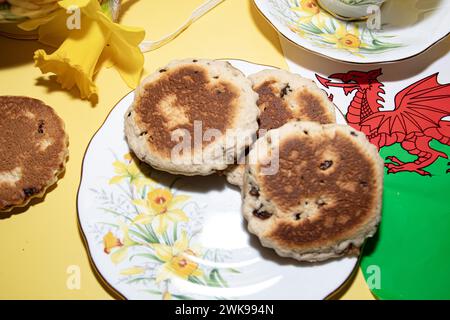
(351, 9)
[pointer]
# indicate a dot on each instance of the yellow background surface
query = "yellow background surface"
(37, 245)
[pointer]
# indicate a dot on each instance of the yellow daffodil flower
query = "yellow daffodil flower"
(311, 12)
(80, 49)
(130, 170)
(161, 207)
(119, 254)
(110, 242)
(177, 260)
(347, 38)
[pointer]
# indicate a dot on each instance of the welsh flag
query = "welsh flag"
(404, 109)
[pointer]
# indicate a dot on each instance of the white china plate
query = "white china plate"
(224, 260)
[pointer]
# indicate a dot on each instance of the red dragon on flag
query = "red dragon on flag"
(418, 117)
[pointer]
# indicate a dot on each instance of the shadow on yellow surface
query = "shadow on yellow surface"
(15, 53)
(33, 202)
(51, 85)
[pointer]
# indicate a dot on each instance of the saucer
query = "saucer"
(407, 28)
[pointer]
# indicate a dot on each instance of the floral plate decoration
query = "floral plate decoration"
(402, 29)
(152, 235)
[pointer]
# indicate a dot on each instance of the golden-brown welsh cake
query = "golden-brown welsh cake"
(285, 97)
(192, 117)
(33, 150)
(323, 198)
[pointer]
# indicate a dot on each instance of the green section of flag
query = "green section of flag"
(409, 258)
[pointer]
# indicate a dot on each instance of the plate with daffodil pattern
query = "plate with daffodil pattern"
(398, 30)
(152, 235)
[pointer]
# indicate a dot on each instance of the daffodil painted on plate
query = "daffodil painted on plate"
(177, 260)
(345, 37)
(110, 242)
(149, 237)
(116, 248)
(310, 12)
(161, 207)
(307, 19)
(129, 170)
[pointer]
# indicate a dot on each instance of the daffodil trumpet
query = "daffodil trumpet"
(161, 206)
(179, 260)
(82, 49)
(345, 37)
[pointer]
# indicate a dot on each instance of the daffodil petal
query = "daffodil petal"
(110, 241)
(142, 182)
(341, 30)
(120, 167)
(127, 241)
(133, 169)
(161, 224)
(85, 5)
(177, 200)
(182, 244)
(163, 252)
(51, 33)
(140, 202)
(125, 53)
(67, 74)
(119, 255)
(116, 179)
(132, 271)
(197, 272)
(74, 61)
(128, 156)
(177, 215)
(143, 219)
